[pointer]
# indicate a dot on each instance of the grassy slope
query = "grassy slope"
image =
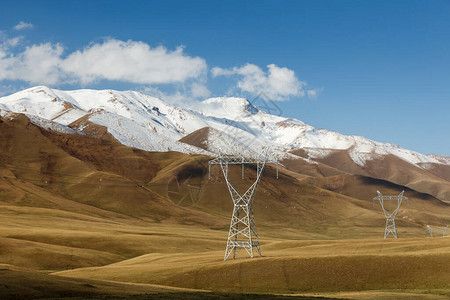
(21, 283)
(319, 266)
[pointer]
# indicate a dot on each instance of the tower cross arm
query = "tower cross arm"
(238, 160)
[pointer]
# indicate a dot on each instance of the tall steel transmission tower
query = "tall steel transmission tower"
(242, 232)
(391, 212)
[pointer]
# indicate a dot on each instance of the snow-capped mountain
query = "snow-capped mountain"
(149, 123)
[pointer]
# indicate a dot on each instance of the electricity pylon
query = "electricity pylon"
(242, 232)
(431, 230)
(391, 213)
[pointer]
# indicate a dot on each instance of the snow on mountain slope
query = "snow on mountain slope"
(291, 133)
(152, 124)
(132, 118)
(443, 159)
(236, 142)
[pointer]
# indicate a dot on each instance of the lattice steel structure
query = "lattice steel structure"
(431, 230)
(390, 213)
(242, 232)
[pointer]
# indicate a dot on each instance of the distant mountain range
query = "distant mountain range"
(229, 125)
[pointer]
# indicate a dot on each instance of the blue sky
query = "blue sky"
(379, 69)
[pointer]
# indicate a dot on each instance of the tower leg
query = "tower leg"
(390, 228)
(242, 233)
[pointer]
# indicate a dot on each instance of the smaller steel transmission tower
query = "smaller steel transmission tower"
(395, 202)
(431, 230)
(242, 232)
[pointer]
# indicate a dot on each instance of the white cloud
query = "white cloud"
(199, 90)
(183, 95)
(23, 25)
(137, 63)
(277, 83)
(7, 43)
(13, 42)
(314, 92)
(131, 61)
(38, 64)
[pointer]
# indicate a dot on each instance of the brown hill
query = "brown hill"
(442, 171)
(433, 180)
(198, 138)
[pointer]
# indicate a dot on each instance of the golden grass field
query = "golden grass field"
(90, 252)
(85, 217)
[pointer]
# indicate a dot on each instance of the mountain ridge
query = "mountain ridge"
(127, 113)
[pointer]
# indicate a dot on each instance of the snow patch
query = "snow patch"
(52, 126)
